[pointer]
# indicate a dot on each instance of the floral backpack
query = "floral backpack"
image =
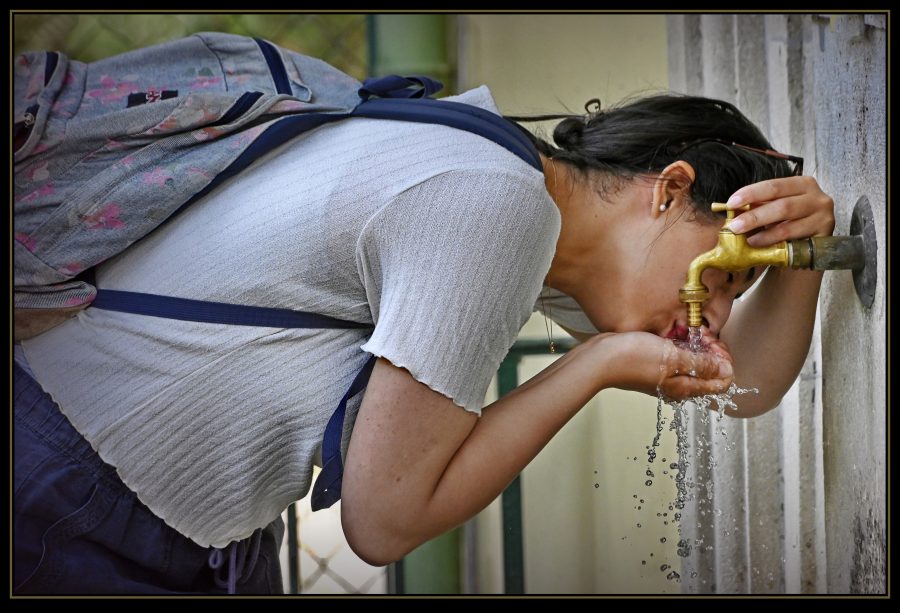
(107, 151)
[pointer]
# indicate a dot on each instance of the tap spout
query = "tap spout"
(731, 253)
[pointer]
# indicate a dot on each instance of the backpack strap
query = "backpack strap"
(397, 103)
(327, 488)
(210, 312)
(455, 115)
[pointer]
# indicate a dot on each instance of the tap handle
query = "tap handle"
(718, 207)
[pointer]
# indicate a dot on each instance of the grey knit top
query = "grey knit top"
(438, 237)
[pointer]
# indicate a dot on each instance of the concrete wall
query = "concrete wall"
(580, 517)
(806, 485)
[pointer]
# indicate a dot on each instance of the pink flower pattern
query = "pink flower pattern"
(157, 177)
(112, 91)
(205, 78)
(242, 139)
(38, 172)
(114, 145)
(41, 192)
(106, 218)
(27, 241)
(199, 172)
(72, 268)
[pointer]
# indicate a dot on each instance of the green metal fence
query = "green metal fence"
(513, 542)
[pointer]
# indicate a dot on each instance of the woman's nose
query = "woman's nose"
(716, 312)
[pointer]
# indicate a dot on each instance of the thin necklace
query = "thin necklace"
(548, 324)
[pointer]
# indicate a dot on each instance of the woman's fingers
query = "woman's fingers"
(772, 189)
(786, 230)
(799, 201)
(682, 387)
(685, 373)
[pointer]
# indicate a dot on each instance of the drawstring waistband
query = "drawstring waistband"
(236, 552)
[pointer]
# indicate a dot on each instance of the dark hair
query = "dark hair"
(649, 133)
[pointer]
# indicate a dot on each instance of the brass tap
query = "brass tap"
(732, 254)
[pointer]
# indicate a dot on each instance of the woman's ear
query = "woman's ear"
(672, 186)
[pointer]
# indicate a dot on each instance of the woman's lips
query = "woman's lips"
(678, 332)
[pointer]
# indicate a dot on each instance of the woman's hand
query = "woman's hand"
(782, 209)
(644, 362)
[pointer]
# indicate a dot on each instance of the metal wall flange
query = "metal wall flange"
(863, 223)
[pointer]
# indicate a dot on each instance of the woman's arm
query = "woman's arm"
(769, 333)
(418, 465)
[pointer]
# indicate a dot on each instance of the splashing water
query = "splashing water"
(678, 424)
(678, 470)
(695, 336)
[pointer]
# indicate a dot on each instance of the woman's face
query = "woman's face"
(656, 261)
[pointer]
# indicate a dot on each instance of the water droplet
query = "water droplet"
(596, 485)
(643, 562)
(662, 540)
(648, 482)
(664, 567)
(673, 575)
(638, 525)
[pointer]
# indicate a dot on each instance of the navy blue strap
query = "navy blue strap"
(395, 86)
(204, 311)
(276, 66)
(327, 489)
(456, 115)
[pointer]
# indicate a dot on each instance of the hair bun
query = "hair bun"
(567, 133)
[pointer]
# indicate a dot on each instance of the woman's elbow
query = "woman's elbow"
(754, 408)
(377, 543)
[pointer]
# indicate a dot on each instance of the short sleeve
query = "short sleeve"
(452, 267)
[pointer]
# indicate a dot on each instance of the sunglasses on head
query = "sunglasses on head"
(796, 160)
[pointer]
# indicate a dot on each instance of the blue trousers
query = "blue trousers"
(77, 529)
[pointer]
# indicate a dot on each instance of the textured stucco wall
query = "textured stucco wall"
(814, 495)
(849, 107)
